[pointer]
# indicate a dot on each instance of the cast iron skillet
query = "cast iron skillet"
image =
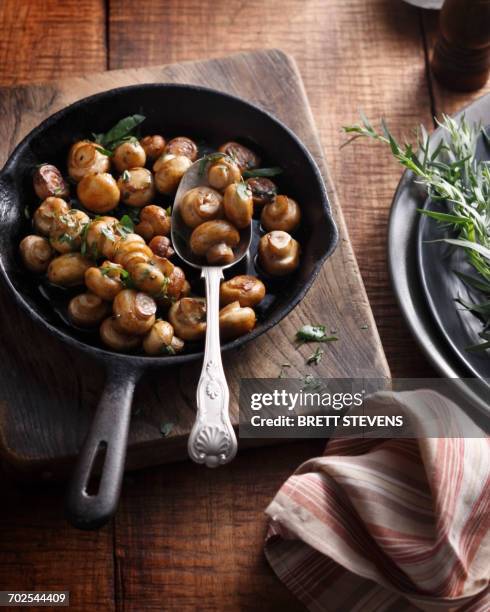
(170, 110)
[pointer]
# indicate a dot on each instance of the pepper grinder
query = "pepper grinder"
(461, 58)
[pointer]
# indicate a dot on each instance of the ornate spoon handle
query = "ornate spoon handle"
(212, 440)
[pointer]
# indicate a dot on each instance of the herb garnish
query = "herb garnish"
(262, 172)
(212, 157)
(123, 131)
(316, 357)
(314, 333)
(166, 429)
(243, 191)
(310, 383)
(451, 172)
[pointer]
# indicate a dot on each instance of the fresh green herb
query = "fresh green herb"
(65, 239)
(126, 279)
(263, 172)
(168, 210)
(310, 383)
(125, 176)
(108, 233)
(314, 333)
(123, 131)
(316, 357)
(484, 346)
(163, 291)
(125, 226)
(243, 191)
(212, 157)
(101, 149)
(451, 172)
(166, 429)
(282, 373)
(168, 350)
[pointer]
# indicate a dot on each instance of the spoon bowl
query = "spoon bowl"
(196, 176)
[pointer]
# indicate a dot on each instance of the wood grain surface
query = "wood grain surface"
(186, 539)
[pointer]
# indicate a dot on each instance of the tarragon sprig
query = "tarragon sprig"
(450, 171)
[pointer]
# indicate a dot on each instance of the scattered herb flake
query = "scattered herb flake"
(282, 373)
(316, 357)
(166, 429)
(310, 383)
(314, 333)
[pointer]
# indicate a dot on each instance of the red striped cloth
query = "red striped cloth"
(388, 525)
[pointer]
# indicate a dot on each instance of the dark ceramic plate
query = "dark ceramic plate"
(404, 237)
(170, 110)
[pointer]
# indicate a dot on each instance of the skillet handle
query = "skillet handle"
(108, 434)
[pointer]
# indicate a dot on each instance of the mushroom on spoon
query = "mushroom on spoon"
(212, 439)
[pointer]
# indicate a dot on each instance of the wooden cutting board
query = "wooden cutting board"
(48, 392)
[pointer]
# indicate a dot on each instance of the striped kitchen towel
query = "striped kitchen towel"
(388, 525)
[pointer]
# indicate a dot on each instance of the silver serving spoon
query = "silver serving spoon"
(212, 439)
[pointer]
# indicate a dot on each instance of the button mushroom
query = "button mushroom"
(154, 220)
(134, 312)
(153, 146)
(199, 205)
(235, 321)
(188, 318)
(98, 192)
(47, 214)
(136, 187)
(105, 281)
(129, 154)
(243, 156)
(132, 250)
(48, 181)
(182, 146)
(222, 172)
(278, 253)
(168, 172)
(36, 253)
(86, 158)
(115, 339)
(68, 270)
(246, 289)
(211, 233)
(101, 237)
(158, 341)
(161, 246)
(238, 205)
(66, 235)
(149, 278)
(220, 255)
(87, 310)
(282, 213)
(263, 190)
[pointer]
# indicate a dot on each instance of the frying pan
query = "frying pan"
(171, 110)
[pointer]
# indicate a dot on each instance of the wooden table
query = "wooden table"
(184, 538)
